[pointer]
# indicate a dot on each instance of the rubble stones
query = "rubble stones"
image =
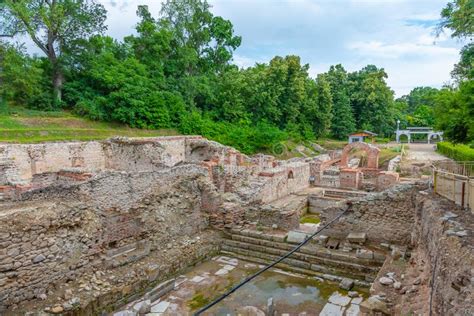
(353, 294)
(57, 309)
(346, 284)
(38, 258)
(364, 254)
(385, 281)
(373, 305)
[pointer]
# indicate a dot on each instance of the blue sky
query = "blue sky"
(397, 35)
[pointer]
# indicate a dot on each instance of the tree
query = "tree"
(458, 16)
(206, 42)
(464, 69)
(55, 26)
(421, 96)
(20, 75)
(372, 100)
(323, 115)
(455, 112)
(343, 122)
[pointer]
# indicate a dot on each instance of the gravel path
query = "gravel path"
(423, 153)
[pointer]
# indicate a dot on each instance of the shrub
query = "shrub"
(458, 152)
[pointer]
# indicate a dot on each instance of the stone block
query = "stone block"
(296, 237)
(359, 238)
(364, 254)
(322, 240)
(373, 305)
(346, 284)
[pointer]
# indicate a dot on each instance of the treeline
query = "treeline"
(177, 72)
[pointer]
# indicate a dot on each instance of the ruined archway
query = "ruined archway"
(372, 154)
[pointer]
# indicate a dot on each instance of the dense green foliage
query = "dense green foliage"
(457, 152)
(55, 27)
(454, 110)
(176, 72)
(458, 16)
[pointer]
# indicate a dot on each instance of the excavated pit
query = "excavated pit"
(103, 227)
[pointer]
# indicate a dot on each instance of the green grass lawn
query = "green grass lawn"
(330, 144)
(20, 125)
(310, 219)
(387, 154)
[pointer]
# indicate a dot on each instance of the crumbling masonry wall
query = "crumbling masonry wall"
(386, 217)
(70, 209)
(111, 221)
(443, 236)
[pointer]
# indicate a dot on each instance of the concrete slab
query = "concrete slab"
(197, 279)
(221, 272)
(229, 267)
(353, 310)
(227, 260)
(338, 299)
(332, 310)
(161, 307)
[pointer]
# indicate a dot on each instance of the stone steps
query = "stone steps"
(292, 268)
(302, 263)
(310, 258)
(344, 194)
(311, 249)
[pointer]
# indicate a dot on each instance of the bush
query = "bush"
(458, 152)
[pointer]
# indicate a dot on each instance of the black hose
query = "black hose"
(253, 276)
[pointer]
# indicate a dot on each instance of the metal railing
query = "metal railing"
(455, 181)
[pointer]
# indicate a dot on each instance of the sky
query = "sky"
(397, 35)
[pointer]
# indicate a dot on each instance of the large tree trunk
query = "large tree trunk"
(58, 80)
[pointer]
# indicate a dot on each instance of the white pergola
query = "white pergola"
(418, 130)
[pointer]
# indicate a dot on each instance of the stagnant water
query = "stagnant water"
(291, 293)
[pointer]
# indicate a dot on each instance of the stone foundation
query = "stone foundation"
(88, 226)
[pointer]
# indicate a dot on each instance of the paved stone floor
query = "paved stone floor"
(292, 294)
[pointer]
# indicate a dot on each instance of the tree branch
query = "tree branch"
(32, 35)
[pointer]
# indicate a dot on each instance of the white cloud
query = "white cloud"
(398, 50)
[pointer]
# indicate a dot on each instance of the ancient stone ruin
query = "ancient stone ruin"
(109, 226)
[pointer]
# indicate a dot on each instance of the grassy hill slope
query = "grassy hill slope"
(18, 125)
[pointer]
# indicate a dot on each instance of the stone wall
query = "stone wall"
(443, 237)
(22, 162)
(284, 180)
(386, 217)
(114, 219)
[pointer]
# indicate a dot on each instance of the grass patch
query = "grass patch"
(43, 135)
(387, 154)
(330, 144)
(18, 125)
(198, 301)
(310, 219)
